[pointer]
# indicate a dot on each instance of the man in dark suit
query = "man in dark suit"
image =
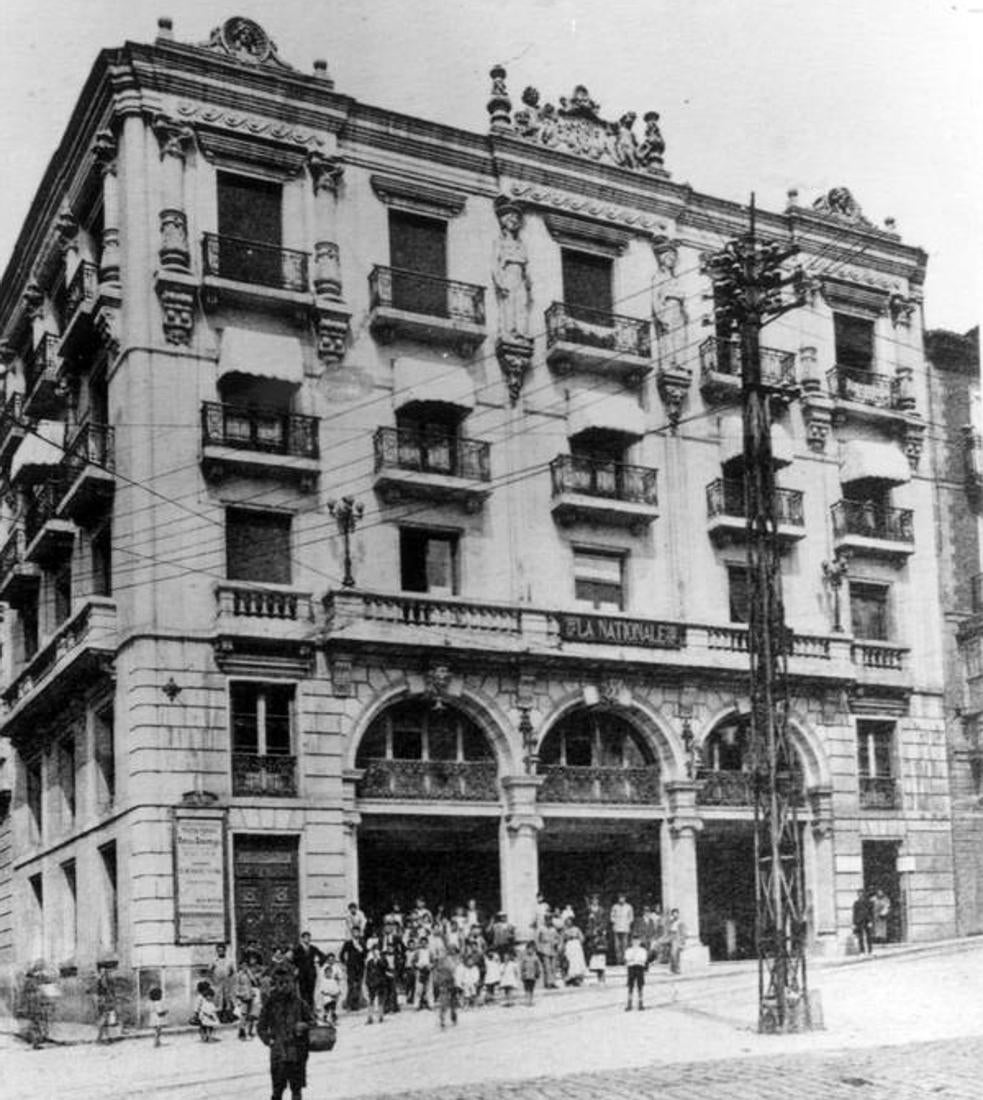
(306, 959)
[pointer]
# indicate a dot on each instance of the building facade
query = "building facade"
(374, 528)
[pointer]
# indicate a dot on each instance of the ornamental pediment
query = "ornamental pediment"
(575, 125)
(244, 40)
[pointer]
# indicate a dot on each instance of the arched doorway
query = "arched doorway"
(725, 847)
(601, 803)
(429, 801)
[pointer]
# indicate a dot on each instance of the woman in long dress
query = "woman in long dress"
(573, 950)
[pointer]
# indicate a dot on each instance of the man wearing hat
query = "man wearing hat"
(284, 1022)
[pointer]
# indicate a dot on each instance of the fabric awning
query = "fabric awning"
(39, 451)
(418, 381)
(868, 459)
(262, 354)
(732, 442)
(610, 413)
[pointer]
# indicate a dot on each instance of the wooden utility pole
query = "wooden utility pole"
(748, 292)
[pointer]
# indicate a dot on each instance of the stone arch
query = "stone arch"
(485, 715)
(808, 747)
(651, 728)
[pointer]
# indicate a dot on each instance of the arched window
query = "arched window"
(594, 755)
(417, 749)
(726, 765)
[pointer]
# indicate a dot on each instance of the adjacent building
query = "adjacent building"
(374, 527)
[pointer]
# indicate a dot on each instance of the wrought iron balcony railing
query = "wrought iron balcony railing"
(725, 497)
(41, 503)
(258, 429)
(729, 787)
(440, 780)
(863, 387)
(879, 793)
(11, 421)
(255, 263)
(431, 453)
(719, 356)
(596, 329)
(428, 295)
(42, 364)
(83, 287)
(92, 443)
(269, 776)
(597, 477)
(12, 552)
(869, 520)
(571, 783)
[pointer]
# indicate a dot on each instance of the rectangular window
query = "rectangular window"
(109, 932)
(65, 756)
(29, 628)
(739, 592)
(69, 916)
(599, 580)
(262, 718)
(428, 561)
(62, 584)
(33, 796)
(854, 341)
(250, 225)
(874, 749)
(868, 611)
(418, 256)
(105, 756)
(587, 284)
(35, 901)
(102, 561)
(257, 546)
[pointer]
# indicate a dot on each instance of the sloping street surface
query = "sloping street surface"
(907, 1024)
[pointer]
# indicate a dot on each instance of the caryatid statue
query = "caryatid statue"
(510, 272)
(669, 305)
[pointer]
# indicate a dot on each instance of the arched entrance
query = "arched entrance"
(601, 804)
(725, 847)
(429, 802)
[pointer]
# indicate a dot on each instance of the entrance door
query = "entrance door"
(266, 892)
(725, 878)
(880, 859)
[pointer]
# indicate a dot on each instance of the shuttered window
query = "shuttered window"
(257, 546)
(599, 580)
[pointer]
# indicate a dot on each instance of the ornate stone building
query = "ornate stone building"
(374, 527)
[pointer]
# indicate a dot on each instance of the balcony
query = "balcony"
(721, 364)
(414, 306)
(259, 442)
(608, 785)
(88, 473)
(272, 613)
(578, 338)
(727, 515)
(264, 776)
(592, 490)
(68, 663)
(435, 780)
(254, 274)
(19, 578)
(43, 401)
(864, 527)
(47, 536)
(12, 428)
(429, 466)
(75, 312)
(879, 793)
(725, 787)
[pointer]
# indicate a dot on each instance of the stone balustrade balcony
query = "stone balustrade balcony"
(578, 338)
(416, 306)
(275, 613)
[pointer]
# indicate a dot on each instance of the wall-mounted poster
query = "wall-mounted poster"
(199, 879)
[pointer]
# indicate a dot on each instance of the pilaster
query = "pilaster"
(679, 877)
(520, 851)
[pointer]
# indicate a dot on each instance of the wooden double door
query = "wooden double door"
(267, 892)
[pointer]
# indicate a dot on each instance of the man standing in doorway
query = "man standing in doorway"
(622, 916)
(863, 918)
(306, 959)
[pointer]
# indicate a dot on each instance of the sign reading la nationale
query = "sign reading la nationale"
(608, 630)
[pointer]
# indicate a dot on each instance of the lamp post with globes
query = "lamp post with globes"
(347, 512)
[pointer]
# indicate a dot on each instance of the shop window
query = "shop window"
(854, 341)
(257, 546)
(418, 257)
(262, 718)
(109, 931)
(739, 593)
(587, 284)
(599, 580)
(428, 561)
(868, 611)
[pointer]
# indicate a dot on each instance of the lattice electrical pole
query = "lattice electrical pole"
(749, 290)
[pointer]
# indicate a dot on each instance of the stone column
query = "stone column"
(104, 152)
(332, 316)
(520, 851)
(679, 879)
(173, 139)
(350, 823)
(820, 881)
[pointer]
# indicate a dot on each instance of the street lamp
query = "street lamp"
(834, 573)
(347, 512)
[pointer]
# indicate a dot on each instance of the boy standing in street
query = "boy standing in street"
(636, 959)
(530, 970)
(284, 1021)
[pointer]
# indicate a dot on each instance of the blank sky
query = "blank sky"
(882, 96)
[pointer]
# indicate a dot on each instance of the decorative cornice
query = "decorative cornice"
(256, 126)
(418, 197)
(587, 207)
